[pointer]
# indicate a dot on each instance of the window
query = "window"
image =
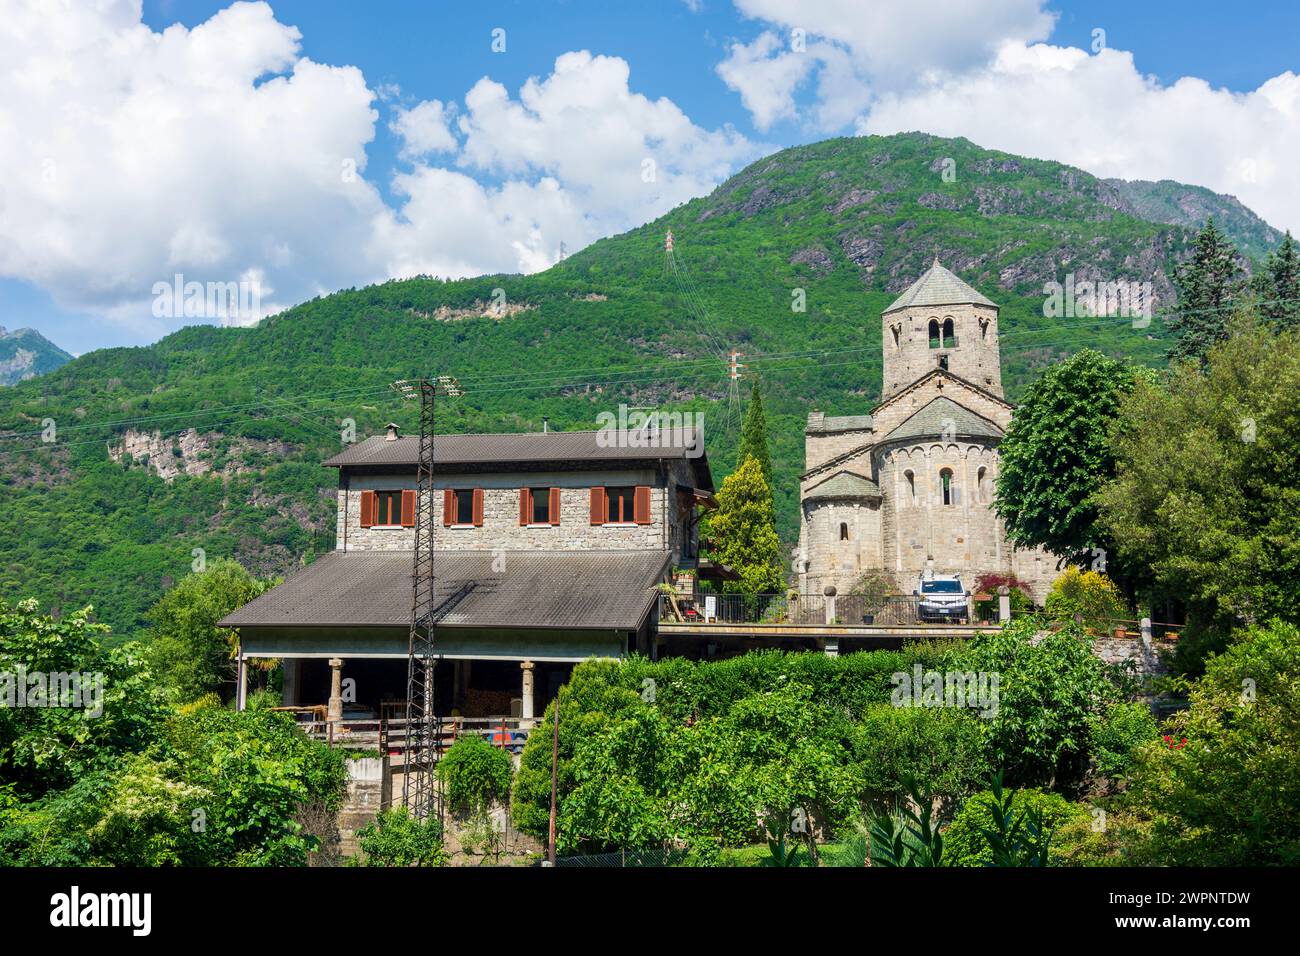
(982, 484)
(936, 336)
(620, 505)
(898, 331)
(945, 483)
(943, 362)
(623, 505)
(948, 335)
(539, 506)
(911, 487)
(388, 507)
(844, 531)
(462, 506)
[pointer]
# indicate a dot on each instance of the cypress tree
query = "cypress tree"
(753, 436)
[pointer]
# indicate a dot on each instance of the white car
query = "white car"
(942, 598)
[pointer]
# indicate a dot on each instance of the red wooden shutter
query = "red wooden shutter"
(408, 509)
(525, 506)
(478, 507)
(597, 505)
(369, 504)
(555, 506)
(641, 504)
(448, 506)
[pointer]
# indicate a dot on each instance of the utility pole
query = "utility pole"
(418, 790)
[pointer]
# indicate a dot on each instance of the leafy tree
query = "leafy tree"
(1223, 788)
(395, 838)
(1277, 286)
(942, 749)
(753, 435)
(1206, 495)
(45, 748)
(1056, 455)
(1117, 734)
(1050, 689)
(742, 531)
(474, 774)
(1206, 286)
(186, 649)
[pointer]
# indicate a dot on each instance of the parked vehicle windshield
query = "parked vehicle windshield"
(941, 587)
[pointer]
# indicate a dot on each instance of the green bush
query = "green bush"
(965, 843)
(474, 774)
(1116, 734)
(1230, 794)
(1089, 594)
(395, 838)
(941, 749)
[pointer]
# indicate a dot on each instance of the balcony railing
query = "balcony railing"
(811, 609)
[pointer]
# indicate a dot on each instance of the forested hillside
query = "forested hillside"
(212, 437)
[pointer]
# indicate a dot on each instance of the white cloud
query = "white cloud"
(221, 153)
(1099, 113)
(425, 128)
(856, 49)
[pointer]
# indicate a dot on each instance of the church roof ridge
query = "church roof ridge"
(939, 286)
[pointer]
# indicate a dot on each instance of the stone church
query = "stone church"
(908, 488)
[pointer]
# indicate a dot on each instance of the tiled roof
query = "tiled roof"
(521, 448)
(606, 590)
(930, 420)
(844, 484)
(938, 286)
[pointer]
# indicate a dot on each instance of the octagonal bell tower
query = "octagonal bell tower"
(941, 322)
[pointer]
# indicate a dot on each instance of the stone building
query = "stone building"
(908, 488)
(549, 549)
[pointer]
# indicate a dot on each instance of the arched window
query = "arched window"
(982, 485)
(948, 337)
(948, 489)
(898, 331)
(844, 531)
(911, 487)
(936, 336)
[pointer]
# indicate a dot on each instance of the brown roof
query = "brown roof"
(521, 447)
(605, 590)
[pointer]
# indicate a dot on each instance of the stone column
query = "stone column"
(526, 704)
(1004, 603)
(335, 710)
(829, 591)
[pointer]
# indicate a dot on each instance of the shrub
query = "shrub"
(474, 774)
(965, 841)
(941, 749)
(1090, 594)
(1021, 602)
(395, 838)
(1229, 796)
(1116, 734)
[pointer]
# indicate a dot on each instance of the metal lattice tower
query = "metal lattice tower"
(419, 792)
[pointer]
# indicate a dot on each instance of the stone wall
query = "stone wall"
(369, 791)
(830, 559)
(501, 527)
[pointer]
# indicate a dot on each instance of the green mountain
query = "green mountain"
(211, 438)
(25, 353)
(1182, 205)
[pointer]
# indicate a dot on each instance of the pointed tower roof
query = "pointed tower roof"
(938, 286)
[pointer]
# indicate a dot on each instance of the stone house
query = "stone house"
(908, 488)
(549, 548)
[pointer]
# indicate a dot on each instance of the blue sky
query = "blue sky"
(137, 187)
